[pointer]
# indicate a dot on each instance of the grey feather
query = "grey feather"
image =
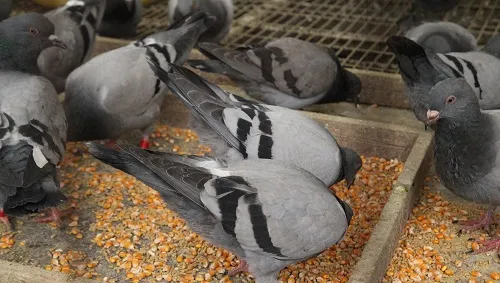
(104, 104)
(284, 72)
(264, 216)
(76, 24)
(239, 129)
(493, 46)
(422, 69)
(443, 37)
(222, 10)
(5, 8)
(121, 18)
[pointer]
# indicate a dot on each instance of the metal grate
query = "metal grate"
(357, 29)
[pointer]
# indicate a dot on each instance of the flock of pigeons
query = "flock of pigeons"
(273, 166)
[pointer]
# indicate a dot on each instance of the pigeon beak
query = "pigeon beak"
(57, 42)
(432, 117)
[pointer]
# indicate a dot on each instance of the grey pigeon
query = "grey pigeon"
(116, 92)
(32, 122)
(5, 8)
(286, 72)
(221, 9)
(240, 129)
(467, 149)
(121, 18)
(493, 46)
(270, 214)
(76, 25)
(422, 69)
(443, 37)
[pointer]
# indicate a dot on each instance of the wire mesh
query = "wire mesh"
(356, 29)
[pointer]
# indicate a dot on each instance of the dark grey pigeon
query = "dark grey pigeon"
(76, 25)
(240, 129)
(467, 148)
(270, 214)
(32, 122)
(5, 8)
(286, 72)
(443, 37)
(121, 18)
(116, 92)
(220, 9)
(421, 69)
(493, 46)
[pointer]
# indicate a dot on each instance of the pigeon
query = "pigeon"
(240, 129)
(493, 46)
(32, 122)
(121, 18)
(5, 8)
(116, 92)
(76, 25)
(443, 37)
(269, 218)
(422, 69)
(286, 72)
(221, 9)
(467, 149)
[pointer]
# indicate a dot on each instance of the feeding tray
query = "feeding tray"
(368, 138)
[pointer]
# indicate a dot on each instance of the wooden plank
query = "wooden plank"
(382, 89)
(11, 272)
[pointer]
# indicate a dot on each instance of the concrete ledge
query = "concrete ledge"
(11, 272)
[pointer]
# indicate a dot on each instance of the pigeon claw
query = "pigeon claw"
(489, 245)
(482, 222)
(242, 267)
(5, 220)
(55, 215)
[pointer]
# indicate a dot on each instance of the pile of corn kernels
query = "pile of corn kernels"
(138, 239)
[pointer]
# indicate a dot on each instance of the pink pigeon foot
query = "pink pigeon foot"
(482, 222)
(489, 245)
(55, 215)
(242, 267)
(5, 220)
(144, 143)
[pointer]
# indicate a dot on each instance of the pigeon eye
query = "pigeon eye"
(451, 99)
(33, 31)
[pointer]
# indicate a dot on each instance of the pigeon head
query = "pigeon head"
(351, 163)
(453, 100)
(353, 86)
(23, 38)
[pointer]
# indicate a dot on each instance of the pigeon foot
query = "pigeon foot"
(5, 220)
(144, 143)
(489, 245)
(482, 222)
(242, 267)
(55, 215)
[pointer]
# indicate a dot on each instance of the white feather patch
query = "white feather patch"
(39, 158)
(172, 52)
(220, 173)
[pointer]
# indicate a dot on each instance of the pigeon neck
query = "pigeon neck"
(13, 60)
(464, 150)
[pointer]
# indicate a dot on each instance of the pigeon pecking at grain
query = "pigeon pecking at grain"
(121, 18)
(240, 129)
(443, 37)
(421, 70)
(116, 92)
(32, 122)
(76, 25)
(467, 148)
(286, 72)
(222, 10)
(270, 214)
